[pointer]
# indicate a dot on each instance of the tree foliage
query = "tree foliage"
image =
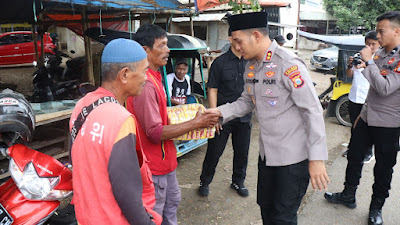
(239, 6)
(353, 13)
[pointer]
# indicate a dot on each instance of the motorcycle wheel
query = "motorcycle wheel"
(342, 111)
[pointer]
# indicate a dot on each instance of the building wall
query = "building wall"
(289, 16)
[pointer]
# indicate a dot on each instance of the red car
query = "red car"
(17, 48)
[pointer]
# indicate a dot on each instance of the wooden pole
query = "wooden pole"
(34, 38)
(88, 51)
(191, 23)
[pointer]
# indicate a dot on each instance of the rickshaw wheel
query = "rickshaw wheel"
(342, 111)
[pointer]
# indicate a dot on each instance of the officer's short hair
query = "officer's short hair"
(372, 35)
(393, 16)
(148, 33)
(109, 71)
(262, 30)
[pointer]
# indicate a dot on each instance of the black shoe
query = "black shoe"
(204, 190)
(340, 198)
(344, 154)
(240, 189)
(375, 217)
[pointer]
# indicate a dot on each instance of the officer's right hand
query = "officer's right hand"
(206, 119)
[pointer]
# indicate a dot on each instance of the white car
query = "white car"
(325, 59)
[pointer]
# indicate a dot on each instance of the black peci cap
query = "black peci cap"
(248, 21)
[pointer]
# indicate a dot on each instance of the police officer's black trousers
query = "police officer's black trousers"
(354, 111)
(280, 190)
(241, 132)
(386, 142)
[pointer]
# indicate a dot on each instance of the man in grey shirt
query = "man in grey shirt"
(379, 121)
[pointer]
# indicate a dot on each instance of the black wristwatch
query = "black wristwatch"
(349, 66)
(369, 62)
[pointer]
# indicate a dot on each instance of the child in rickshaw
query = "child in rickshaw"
(179, 83)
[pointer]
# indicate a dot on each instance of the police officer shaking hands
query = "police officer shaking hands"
(292, 132)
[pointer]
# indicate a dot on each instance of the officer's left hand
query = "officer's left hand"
(366, 53)
(318, 176)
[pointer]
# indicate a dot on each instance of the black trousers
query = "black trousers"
(386, 142)
(280, 190)
(354, 111)
(241, 132)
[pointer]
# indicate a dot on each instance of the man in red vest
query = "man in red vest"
(112, 182)
(150, 109)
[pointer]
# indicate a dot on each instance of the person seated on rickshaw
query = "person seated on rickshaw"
(179, 83)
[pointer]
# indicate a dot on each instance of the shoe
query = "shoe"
(240, 189)
(375, 217)
(344, 154)
(369, 158)
(340, 198)
(204, 190)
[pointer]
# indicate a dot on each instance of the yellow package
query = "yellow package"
(182, 113)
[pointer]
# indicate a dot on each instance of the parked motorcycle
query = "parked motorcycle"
(52, 83)
(38, 183)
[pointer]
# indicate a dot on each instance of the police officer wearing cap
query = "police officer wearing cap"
(379, 120)
(292, 131)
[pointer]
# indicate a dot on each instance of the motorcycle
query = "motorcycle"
(39, 183)
(52, 85)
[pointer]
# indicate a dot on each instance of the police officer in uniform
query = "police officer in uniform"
(292, 131)
(379, 121)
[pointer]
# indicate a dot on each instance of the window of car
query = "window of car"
(27, 38)
(9, 39)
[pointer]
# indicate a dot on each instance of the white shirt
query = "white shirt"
(170, 80)
(359, 88)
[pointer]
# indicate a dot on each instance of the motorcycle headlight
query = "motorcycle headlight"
(34, 187)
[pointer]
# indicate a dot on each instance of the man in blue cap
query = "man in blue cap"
(292, 132)
(112, 181)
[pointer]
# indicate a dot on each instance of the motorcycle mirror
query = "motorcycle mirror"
(34, 63)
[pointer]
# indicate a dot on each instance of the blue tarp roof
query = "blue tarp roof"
(18, 11)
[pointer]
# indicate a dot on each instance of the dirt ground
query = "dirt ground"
(223, 206)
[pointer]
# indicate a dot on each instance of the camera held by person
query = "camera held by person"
(357, 59)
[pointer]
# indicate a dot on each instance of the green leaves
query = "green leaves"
(354, 13)
(238, 6)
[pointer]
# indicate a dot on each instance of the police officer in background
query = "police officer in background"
(292, 131)
(225, 84)
(379, 123)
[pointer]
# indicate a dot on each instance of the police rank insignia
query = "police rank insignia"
(376, 57)
(270, 74)
(272, 103)
(391, 60)
(384, 72)
(251, 67)
(250, 75)
(271, 66)
(269, 56)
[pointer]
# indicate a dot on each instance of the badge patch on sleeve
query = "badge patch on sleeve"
(251, 67)
(291, 70)
(269, 56)
(270, 74)
(250, 75)
(384, 72)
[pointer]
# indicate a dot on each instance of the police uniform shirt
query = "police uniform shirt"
(226, 74)
(382, 107)
(289, 113)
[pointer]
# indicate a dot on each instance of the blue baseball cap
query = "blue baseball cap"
(123, 50)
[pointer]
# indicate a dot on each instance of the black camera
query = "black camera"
(356, 59)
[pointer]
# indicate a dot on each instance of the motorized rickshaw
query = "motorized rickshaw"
(337, 104)
(181, 46)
